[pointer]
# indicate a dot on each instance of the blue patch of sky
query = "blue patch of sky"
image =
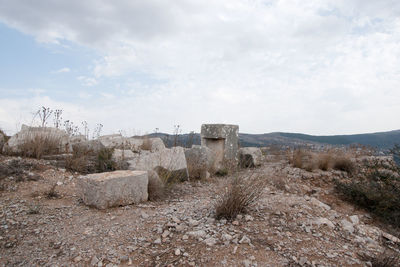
(26, 64)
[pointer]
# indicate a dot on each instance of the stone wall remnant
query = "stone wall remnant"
(223, 140)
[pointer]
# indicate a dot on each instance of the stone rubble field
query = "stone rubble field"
(299, 221)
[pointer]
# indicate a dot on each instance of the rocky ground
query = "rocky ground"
(299, 221)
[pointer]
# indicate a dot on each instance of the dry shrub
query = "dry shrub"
(52, 193)
(105, 161)
(238, 196)
(344, 163)
(39, 144)
(156, 187)
(303, 159)
(376, 188)
(324, 161)
(197, 170)
(81, 160)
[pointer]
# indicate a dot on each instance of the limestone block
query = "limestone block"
(110, 189)
(200, 160)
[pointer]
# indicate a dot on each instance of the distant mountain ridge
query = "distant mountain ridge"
(379, 140)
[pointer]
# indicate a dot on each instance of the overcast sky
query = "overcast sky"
(317, 67)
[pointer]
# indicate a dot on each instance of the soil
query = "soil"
(298, 221)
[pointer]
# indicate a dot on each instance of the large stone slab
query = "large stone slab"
(46, 134)
(250, 157)
(110, 189)
(200, 161)
(171, 160)
(121, 142)
(131, 143)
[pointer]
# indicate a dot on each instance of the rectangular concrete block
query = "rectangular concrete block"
(110, 189)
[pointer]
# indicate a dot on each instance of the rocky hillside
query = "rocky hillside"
(381, 140)
(298, 221)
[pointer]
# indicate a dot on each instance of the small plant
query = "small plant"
(52, 193)
(238, 196)
(70, 128)
(44, 114)
(105, 161)
(97, 131)
(57, 118)
(33, 209)
(177, 132)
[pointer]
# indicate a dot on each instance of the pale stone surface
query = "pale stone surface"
(172, 160)
(347, 226)
(223, 139)
(156, 144)
(28, 133)
(316, 202)
(250, 157)
(324, 221)
(122, 155)
(200, 161)
(120, 142)
(110, 189)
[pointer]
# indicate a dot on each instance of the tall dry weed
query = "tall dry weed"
(240, 193)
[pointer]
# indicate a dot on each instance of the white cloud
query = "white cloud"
(308, 66)
(87, 81)
(62, 70)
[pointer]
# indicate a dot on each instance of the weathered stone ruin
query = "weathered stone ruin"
(200, 161)
(223, 140)
(110, 189)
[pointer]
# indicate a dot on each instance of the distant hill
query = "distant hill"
(380, 140)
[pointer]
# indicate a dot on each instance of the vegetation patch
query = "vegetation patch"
(238, 196)
(375, 187)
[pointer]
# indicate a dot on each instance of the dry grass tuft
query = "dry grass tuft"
(303, 159)
(344, 163)
(325, 161)
(37, 145)
(105, 161)
(238, 196)
(52, 193)
(81, 160)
